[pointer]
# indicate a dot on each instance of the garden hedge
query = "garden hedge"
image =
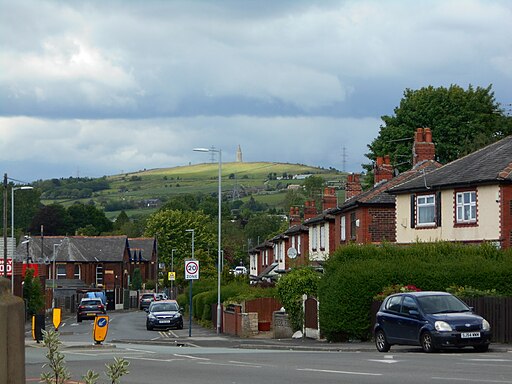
(354, 274)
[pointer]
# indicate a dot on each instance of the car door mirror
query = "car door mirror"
(414, 312)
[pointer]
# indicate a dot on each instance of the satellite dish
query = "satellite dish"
(292, 253)
(46, 261)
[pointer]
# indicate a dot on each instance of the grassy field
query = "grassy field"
(237, 178)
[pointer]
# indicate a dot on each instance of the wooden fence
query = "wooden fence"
(498, 312)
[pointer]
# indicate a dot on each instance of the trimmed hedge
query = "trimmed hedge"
(354, 274)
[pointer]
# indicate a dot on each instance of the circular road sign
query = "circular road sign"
(191, 269)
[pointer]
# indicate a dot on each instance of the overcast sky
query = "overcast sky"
(93, 88)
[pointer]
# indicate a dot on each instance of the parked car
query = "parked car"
(433, 320)
(164, 314)
(240, 270)
(146, 299)
(89, 308)
(161, 296)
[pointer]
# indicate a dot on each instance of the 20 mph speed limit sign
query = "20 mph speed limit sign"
(191, 269)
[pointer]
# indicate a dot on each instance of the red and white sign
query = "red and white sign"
(9, 267)
(191, 269)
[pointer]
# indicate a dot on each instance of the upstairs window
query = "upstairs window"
(99, 275)
(343, 231)
(314, 238)
(322, 237)
(426, 208)
(77, 273)
(61, 271)
(466, 207)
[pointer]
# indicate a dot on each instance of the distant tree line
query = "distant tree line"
(71, 188)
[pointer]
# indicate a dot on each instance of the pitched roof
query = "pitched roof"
(142, 246)
(79, 249)
(489, 165)
(378, 196)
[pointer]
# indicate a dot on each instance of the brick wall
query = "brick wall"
(381, 225)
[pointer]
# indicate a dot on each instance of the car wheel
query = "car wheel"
(149, 327)
(427, 344)
(78, 319)
(180, 325)
(381, 342)
(481, 348)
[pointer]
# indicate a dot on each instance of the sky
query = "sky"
(94, 88)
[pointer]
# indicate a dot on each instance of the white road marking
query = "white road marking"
(466, 380)
(339, 372)
(192, 357)
(385, 361)
(139, 350)
(230, 365)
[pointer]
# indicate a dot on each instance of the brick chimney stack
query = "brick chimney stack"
(329, 199)
(423, 147)
(310, 209)
(294, 218)
(383, 170)
(353, 186)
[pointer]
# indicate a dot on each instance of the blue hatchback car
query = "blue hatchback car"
(433, 320)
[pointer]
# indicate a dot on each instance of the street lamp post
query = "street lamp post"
(12, 230)
(219, 227)
(172, 270)
(54, 272)
(190, 289)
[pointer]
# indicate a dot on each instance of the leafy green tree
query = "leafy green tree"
(461, 121)
(54, 218)
(33, 293)
(313, 186)
(136, 279)
(263, 226)
(290, 289)
(121, 220)
(169, 226)
(87, 215)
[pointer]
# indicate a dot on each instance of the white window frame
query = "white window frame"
(79, 275)
(322, 237)
(298, 245)
(343, 228)
(59, 273)
(314, 239)
(465, 207)
(99, 271)
(425, 204)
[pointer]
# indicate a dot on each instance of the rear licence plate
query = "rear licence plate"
(469, 335)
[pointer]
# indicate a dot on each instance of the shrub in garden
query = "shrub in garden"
(290, 289)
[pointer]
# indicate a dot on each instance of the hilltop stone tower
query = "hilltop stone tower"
(239, 158)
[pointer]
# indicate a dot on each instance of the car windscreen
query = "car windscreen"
(148, 296)
(164, 307)
(442, 304)
(90, 302)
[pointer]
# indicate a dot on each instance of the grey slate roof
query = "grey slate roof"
(489, 165)
(141, 247)
(79, 249)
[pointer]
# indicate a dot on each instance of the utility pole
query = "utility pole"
(5, 226)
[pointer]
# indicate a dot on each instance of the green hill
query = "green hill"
(143, 191)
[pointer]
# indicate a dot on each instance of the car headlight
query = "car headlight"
(151, 316)
(486, 326)
(443, 326)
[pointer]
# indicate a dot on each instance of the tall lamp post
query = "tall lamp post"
(172, 270)
(190, 289)
(219, 227)
(54, 272)
(12, 230)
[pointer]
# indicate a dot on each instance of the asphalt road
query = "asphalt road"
(173, 357)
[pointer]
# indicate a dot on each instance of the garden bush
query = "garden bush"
(355, 274)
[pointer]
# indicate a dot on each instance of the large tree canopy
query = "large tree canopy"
(170, 227)
(461, 121)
